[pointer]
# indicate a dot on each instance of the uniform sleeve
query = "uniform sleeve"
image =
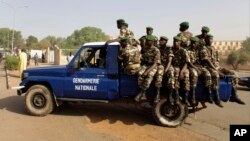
(204, 54)
(186, 56)
(157, 56)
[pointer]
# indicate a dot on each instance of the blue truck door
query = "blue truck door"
(91, 80)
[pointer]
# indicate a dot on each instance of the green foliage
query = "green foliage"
(12, 62)
(6, 38)
(238, 58)
(31, 42)
(84, 35)
(246, 44)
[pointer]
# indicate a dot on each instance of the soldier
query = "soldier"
(181, 72)
(184, 34)
(204, 31)
(206, 61)
(149, 62)
(223, 71)
(130, 57)
(142, 41)
(119, 23)
(193, 66)
(165, 69)
(149, 31)
(124, 31)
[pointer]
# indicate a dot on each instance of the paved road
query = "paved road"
(113, 122)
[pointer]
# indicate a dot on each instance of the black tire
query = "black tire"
(169, 115)
(39, 101)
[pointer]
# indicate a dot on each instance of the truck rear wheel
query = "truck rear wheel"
(39, 101)
(169, 115)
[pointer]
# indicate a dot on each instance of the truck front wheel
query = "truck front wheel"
(39, 101)
(169, 115)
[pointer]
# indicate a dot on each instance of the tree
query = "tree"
(31, 42)
(246, 44)
(237, 58)
(6, 38)
(86, 34)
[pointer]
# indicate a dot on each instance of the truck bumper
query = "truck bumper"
(20, 90)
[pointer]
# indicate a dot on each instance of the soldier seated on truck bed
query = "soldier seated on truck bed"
(151, 58)
(129, 56)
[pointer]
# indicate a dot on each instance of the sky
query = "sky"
(227, 19)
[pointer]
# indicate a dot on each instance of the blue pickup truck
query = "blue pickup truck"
(95, 75)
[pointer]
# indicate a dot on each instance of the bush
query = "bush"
(12, 62)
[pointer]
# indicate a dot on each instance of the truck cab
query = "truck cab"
(95, 75)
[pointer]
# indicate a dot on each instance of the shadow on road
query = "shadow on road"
(98, 112)
(13, 104)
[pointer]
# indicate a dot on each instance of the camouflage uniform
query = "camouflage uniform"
(193, 73)
(235, 79)
(185, 37)
(149, 57)
(166, 52)
(205, 54)
(180, 58)
(130, 57)
(125, 32)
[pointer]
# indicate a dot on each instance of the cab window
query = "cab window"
(92, 58)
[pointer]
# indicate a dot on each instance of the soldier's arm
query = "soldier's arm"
(150, 69)
(210, 64)
(157, 61)
(111, 41)
(169, 63)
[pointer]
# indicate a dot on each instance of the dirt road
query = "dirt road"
(98, 122)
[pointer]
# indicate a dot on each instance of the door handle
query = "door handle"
(101, 75)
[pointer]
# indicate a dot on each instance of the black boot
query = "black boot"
(185, 98)
(217, 100)
(177, 97)
(170, 97)
(234, 97)
(193, 101)
(157, 97)
(138, 97)
(210, 99)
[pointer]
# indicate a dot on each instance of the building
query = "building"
(226, 47)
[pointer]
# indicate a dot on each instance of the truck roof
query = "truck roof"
(99, 43)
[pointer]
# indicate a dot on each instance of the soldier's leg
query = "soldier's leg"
(176, 84)
(193, 84)
(158, 82)
(215, 86)
(186, 87)
(208, 83)
(234, 96)
(146, 84)
(140, 83)
(170, 84)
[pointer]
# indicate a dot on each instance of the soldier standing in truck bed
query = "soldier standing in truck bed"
(150, 59)
(184, 34)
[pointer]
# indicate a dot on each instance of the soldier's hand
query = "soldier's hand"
(145, 74)
(181, 76)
